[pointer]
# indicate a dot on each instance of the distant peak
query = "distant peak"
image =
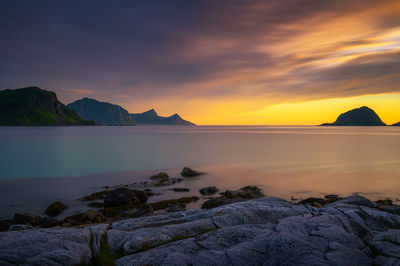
(151, 111)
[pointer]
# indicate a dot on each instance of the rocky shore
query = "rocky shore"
(234, 227)
(263, 231)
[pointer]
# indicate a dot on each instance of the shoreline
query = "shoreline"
(267, 230)
(163, 194)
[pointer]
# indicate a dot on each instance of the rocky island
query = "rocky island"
(362, 116)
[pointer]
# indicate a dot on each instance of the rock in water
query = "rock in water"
(362, 116)
(124, 196)
(208, 190)
(188, 172)
(55, 208)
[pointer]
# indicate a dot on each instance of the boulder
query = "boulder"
(176, 207)
(124, 196)
(88, 217)
(208, 190)
(27, 219)
(97, 205)
(55, 208)
(188, 172)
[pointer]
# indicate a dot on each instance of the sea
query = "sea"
(39, 165)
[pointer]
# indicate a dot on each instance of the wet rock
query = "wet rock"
(385, 202)
(88, 217)
(4, 225)
(208, 190)
(96, 204)
(165, 203)
(27, 219)
(20, 227)
(331, 197)
(160, 176)
(145, 209)
(124, 196)
(188, 172)
(315, 202)
(230, 196)
(215, 202)
(356, 200)
(55, 208)
(96, 196)
(179, 189)
(176, 207)
(49, 222)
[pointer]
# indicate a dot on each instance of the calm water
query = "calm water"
(285, 161)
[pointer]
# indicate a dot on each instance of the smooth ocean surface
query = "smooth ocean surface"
(47, 163)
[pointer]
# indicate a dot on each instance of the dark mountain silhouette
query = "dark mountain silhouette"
(32, 106)
(102, 112)
(152, 118)
(396, 125)
(362, 116)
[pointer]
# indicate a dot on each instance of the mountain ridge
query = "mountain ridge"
(32, 106)
(151, 117)
(103, 113)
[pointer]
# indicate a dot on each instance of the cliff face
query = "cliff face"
(32, 106)
(102, 112)
(151, 117)
(362, 116)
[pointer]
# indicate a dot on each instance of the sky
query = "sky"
(255, 62)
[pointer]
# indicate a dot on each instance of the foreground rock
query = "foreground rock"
(208, 190)
(264, 231)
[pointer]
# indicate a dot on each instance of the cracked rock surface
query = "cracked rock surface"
(265, 231)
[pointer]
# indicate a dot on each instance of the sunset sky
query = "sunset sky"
(213, 62)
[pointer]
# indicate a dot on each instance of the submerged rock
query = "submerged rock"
(96, 204)
(160, 176)
(96, 196)
(55, 208)
(188, 172)
(208, 190)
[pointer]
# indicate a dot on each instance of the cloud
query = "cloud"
(265, 51)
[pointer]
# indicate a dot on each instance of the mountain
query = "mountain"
(102, 112)
(32, 106)
(362, 116)
(151, 117)
(396, 125)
